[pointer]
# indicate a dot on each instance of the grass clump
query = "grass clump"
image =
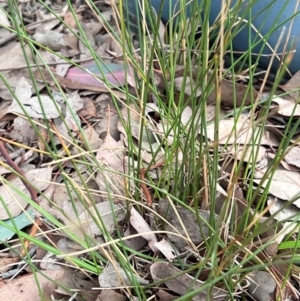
(179, 147)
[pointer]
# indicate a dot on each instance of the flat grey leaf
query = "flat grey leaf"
(262, 287)
(12, 195)
(183, 283)
(115, 276)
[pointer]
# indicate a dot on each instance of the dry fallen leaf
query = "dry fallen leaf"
(184, 283)
(292, 86)
(90, 224)
(76, 281)
(262, 286)
(187, 219)
(114, 276)
(32, 105)
(52, 39)
(6, 263)
(289, 213)
(287, 107)
(135, 243)
(15, 203)
(71, 19)
(141, 226)
(111, 157)
(25, 288)
(284, 184)
(293, 156)
(109, 295)
(166, 249)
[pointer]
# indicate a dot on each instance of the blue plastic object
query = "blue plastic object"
(268, 18)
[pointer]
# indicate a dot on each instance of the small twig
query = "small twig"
(27, 184)
(144, 188)
(14, 166)
(143, 184)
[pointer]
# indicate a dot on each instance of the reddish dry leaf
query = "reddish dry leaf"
(113, 73)
(73, 85)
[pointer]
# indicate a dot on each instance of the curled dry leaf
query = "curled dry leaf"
(89, 109)
(287, 107)
(165, 248)
(91, 138)
(71, 281)
(6, 262)
(22, 131)
(4, 19)
(284, 184)
(184, 283)
(135, 243)
(141, 226)
(49, 262)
